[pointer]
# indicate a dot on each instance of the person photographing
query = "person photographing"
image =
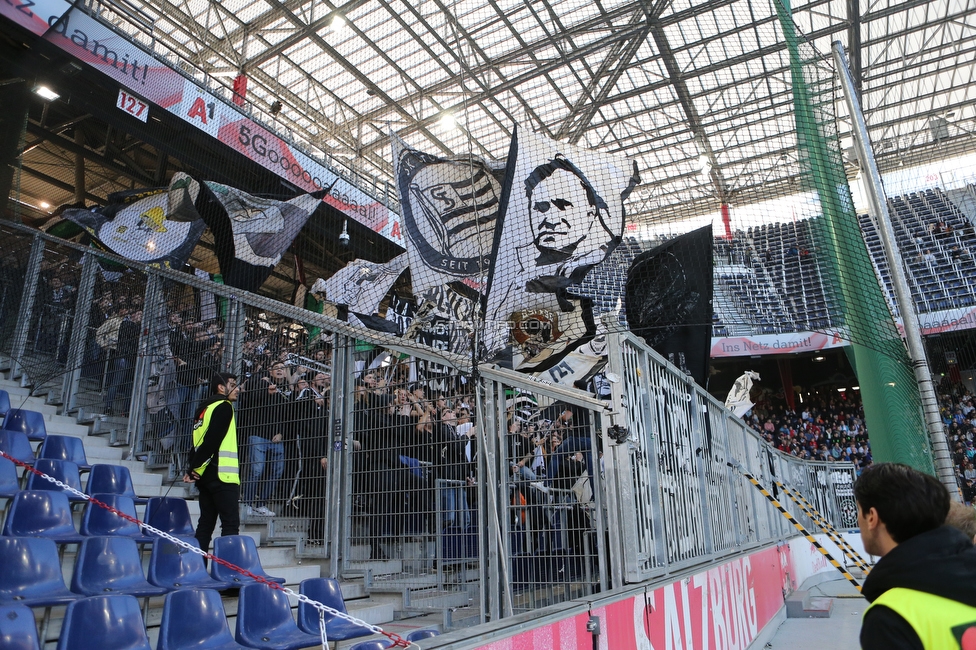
(214, 461)
(923, 589)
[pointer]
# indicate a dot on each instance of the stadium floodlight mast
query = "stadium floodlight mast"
(903, 296)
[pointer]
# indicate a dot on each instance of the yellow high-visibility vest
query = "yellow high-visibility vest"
(940, 623)
(228, 467)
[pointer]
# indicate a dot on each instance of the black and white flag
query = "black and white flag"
(564, 216)
(361, 284)
(158, 227)
(450, 208)
(251, 233)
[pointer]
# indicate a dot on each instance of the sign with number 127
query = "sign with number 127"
(132, 105)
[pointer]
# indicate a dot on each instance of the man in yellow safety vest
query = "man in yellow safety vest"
(214, 463)
(923, 589)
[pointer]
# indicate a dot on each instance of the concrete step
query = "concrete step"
(800, 604)
(294, 574)
(272, 556)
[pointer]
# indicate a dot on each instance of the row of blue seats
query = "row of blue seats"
(18, 444)
(102, 479)
(45, 513)
(31, 570)
(195, 618)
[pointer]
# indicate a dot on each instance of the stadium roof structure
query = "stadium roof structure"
(697, 92)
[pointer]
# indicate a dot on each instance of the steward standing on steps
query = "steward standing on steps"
(923, 589)
(214, 463)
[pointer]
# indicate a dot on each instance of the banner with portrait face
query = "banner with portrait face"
(565, 215)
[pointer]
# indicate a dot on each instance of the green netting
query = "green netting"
(892, 407)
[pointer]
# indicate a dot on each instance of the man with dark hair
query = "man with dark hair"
(923, 589)
(214, 462)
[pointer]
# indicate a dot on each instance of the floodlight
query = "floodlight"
(45, 92)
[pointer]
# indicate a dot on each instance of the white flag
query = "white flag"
(738, 400)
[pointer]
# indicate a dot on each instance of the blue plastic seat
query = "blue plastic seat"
(112, 479)
(239, 550)
(63, 470)
(373, 644)
(30, 573)
(65, 448)
(195, 619)
(327, 592)
(417, 635)
(27, 422)
(9, 482)
(104, 622)
(18, 631)
(111, 565)
(264, 620)
(175, 567)
(97, 521)
(170, 515)
(16, 445)
(41, 513)
(4, 402)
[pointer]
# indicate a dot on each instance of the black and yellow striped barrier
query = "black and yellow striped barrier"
(803, 531)
(832, 533)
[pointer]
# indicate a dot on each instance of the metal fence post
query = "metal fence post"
(26, 311)
(599, 491)
(78, 348)
(154, 308)
(612, 474)
(340, 459)
(233, 335)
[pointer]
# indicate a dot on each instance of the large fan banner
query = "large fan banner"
(669, 300)
(565, 215)
(450, 207)
(251, 233)
(158, 227)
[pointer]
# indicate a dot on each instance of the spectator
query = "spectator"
(923, 589)
(122, 367)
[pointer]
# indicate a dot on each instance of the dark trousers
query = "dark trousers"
(217, 499)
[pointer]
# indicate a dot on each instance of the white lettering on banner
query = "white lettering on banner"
(641, 605)
(721, 631)
(729, 618)
(700, 581)
(672, 628)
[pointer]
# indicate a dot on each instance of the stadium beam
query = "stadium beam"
(903, 296)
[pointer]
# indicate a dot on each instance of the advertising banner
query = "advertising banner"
(145, 77)
(721, 608)
(760, 344)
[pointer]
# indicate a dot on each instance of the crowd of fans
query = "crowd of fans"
(827, 426)
(957, 408)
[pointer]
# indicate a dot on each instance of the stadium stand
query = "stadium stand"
(768, 279)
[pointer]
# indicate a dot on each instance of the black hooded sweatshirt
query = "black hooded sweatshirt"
(941, 562)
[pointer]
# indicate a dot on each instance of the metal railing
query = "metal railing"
(478, 492)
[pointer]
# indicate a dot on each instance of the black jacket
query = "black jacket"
(941, 562)
(220, 420)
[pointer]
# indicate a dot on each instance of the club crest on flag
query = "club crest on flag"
(450, 209)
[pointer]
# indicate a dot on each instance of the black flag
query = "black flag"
(669, 300)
